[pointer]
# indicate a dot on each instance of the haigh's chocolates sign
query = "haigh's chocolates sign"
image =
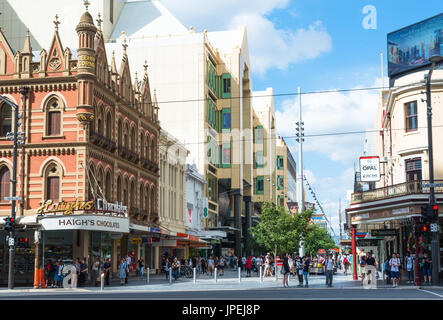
(70, 207)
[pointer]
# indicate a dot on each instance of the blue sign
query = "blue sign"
(411, 47)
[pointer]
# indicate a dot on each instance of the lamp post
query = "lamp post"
(435, 241)
(17, 138)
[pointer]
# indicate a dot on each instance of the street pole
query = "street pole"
(435, 238)
(354, 254)
(300, 176)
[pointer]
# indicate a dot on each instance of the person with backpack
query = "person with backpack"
(328, 265)
(427, 268)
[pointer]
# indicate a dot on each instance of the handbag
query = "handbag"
(282, 271)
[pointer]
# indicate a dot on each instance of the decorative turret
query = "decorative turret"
(86, 31)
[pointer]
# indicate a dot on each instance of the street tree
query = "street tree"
(317, 238)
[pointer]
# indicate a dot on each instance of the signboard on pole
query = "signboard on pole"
(205, 207)
(369, 169)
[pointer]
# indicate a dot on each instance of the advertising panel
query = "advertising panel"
(369, 169)
(411, 47)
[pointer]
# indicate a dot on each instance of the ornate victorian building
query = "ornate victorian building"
(88, 170)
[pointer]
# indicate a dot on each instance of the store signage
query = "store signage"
(369, 169)
(89, 222)
(86, 61)
(400, 211)
(189, 215)
(69, 207)
(383, 232)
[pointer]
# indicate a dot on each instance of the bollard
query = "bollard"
(147, 275)
(195, 275)
(261, 274)
(170, 276)
(215, 275)
(239, 274)
(102, 281)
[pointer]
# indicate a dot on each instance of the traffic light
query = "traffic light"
(434, 216)
(9, 223)
(422, 229)
(425, 212)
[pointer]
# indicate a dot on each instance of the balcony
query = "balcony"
(396, 190)
(128, 154)
(103, 142)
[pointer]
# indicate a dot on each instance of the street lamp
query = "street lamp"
(17, 138)
(435, 241)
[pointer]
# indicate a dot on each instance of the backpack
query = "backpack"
(345, 261)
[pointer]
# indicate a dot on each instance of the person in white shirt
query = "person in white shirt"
(395, 264)
(329, 269)
(210, 265)
(243, 262)
(409, 267)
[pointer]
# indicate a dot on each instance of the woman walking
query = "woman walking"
(123, 270)
(286, 271)
(248, 266)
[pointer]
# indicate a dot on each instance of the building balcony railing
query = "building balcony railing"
(128, 154)
(103, 142)
(396, 190)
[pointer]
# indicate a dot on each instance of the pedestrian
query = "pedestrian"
(409, 267)
(221, 266)
(211, 265)
(75, 273)
(306, 264)
(167, 268)
(123, 270)
(371, 264)
(299, 269)
(129, 267)
(387, 269)
(202, 265)
(95, 271)
(427, 268)
(141, 266)
(362, 266)
(107, 270)
(175, 268)
(328, 265)
(58, 278)
(286, 270)
(49, 274)
(243, 262)
(345, 264)
(395, 264)
(83, 275)
(248, 266)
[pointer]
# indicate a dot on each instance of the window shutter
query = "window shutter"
(4, 183)
(53, 186)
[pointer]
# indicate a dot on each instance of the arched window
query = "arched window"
(6, 120)
(119, 189)
(146, 200)
(5, 183)
(147, 151)
(126, 136)
(108, 191)
(152, 201)
(53, 117)
(141, 197)
(120, 133)
(109, 126)
(91, 182)
(100, 122)
(133, 195)
(125, 192)
(52, 178)
(153, 146)
(133, 140)
(142, 149)
(100, 183)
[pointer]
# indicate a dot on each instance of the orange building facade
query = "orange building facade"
(88, 170)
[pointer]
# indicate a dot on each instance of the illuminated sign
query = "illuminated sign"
(69, 207)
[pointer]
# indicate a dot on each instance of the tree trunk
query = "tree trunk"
(275, 263)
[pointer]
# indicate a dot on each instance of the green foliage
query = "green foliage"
(279, 230)
(317, 238)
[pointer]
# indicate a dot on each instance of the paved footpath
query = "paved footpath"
(229, 281)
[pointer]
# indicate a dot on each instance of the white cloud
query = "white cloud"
(269, 46)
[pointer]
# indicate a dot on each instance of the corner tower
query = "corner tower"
(86, 31)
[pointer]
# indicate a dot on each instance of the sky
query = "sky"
(316, 45)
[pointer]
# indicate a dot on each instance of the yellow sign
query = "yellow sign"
(86, 61)
(48, 206)
(136, 240)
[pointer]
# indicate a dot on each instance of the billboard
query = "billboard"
(369, 169)
(411, 47)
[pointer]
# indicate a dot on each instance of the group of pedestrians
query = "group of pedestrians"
(395, 268)
(55, 273)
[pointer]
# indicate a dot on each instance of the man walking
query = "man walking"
(329, 270)
(371, 263)
(299, 269)
(395, 264)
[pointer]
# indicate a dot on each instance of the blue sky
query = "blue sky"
(317, 45)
